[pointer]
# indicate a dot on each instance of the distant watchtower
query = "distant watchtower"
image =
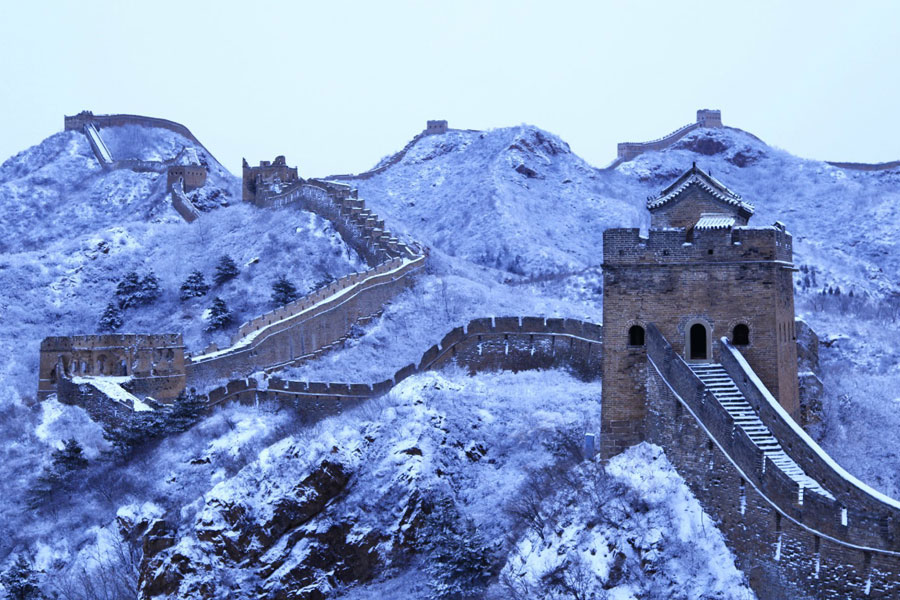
(265, 177)
(699, 275)
(435, 127)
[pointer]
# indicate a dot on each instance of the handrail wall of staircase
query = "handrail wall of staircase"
(862, 502)
(856, 527)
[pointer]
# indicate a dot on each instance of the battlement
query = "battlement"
(435, 127)
(627, 247)
(705, 118)
(155, 362)
(257, 181)
(709, 118)
(193, 176)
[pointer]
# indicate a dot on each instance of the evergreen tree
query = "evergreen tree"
(460, 562)
(111, 319)
(194, 286)
(141, 428)
(185, 411)
(226, 270)
(149, 289)
(20, 581)
(219, 315)
(283, 291)
(59, 475)
(128, 289)
(70, 457)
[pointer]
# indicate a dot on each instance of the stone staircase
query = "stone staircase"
(730, 397)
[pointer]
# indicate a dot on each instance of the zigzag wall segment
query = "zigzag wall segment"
(298, 331)
(495, 343)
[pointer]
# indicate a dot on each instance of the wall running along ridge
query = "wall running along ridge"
(791, 545)
(303, 329)
(510, 343)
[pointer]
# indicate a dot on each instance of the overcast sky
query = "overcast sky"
(337, 85)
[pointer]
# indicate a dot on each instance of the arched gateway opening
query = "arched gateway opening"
(697, 343)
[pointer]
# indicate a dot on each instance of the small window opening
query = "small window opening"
(710, 251)
(740, 336)
(636, 336)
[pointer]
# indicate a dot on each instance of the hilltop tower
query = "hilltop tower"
(700, 274)
(268, 175)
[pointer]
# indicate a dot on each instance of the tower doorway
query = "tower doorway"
(697, 346)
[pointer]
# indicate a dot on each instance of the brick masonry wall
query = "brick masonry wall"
(299, 336)
(674, 285)
(157, 360)
(779, 542)
(509, 343)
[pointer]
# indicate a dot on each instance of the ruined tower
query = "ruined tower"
(700, 274)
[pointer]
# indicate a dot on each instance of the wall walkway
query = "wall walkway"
(845, 544)
(510, 343)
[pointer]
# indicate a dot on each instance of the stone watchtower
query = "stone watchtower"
(700, 274)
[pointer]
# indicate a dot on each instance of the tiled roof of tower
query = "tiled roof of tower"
(706, 182)
(715, 221)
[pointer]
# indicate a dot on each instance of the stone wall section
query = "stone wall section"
(721, 279)
(497, 343)
(791, 545)
(155, 362)
(631, 150)
(304, 329)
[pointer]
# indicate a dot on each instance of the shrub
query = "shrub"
(194, 286)
(226, 270)
(283, 291)
(111, 319)
(219, 315)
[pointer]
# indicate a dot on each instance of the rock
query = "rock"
(702, 145)
(526, 171)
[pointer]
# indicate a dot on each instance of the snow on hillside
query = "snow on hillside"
(844, 222)
(70, 231)
(59, 184)
(351, 500)
(514, 220)
(63, 288)
(517, 199)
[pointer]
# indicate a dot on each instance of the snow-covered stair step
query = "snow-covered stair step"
(723, 388)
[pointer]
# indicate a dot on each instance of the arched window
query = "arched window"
(740, 336)
(698, 342)
(636, 336)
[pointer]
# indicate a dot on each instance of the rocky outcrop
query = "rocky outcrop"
(289, 546)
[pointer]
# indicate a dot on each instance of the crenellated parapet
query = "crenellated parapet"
(705, 118)
(792, 541)
(153, 362)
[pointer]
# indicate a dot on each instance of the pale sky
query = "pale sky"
(337, 85)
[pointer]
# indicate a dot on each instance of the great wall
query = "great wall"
(723, 406)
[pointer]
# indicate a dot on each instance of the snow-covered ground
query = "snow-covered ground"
(68, 238)
(514, 220)
(479, 444)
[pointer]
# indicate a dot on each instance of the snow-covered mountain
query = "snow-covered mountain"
(255, 500)
(520, 200)
(70, 231)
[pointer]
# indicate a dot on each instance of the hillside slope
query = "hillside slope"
(60, 184)
(518, 199)
(70, 231)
